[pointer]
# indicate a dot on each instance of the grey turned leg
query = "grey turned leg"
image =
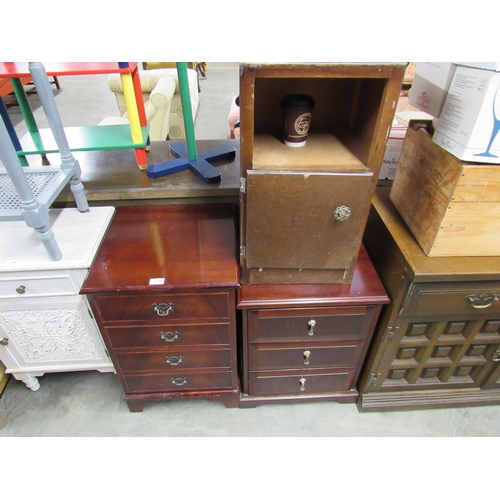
(44, 91)
(34, 214)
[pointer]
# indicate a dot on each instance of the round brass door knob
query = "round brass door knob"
(342, 213)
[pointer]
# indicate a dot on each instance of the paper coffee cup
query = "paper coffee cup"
(297, 113)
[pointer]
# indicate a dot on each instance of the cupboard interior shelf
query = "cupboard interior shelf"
(322, 152)
(344, 120)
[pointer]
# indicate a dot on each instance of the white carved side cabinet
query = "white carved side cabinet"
(45, 324)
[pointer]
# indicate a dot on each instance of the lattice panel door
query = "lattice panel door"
(444, 354)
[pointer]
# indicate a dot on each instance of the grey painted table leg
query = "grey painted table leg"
(35, 215)
(44, 91)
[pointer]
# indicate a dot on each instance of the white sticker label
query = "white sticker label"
(157, 281)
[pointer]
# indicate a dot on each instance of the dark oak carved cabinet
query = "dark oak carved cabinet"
(163, 291)
(438, 343)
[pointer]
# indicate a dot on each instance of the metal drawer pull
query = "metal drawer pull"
(496, 356)
(312, 324)
(342, 213)
(169, 336)
(173, 360)
(163, 309)
(302, 382)
(179, 380)
(21, 289)
(482, 301)
(306, 357)
(4, 341)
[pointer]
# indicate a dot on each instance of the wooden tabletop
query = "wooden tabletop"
(77, 234)
(113, 178)
(364, 289)
(161, 248)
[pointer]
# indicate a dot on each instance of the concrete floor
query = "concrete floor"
(89, 403)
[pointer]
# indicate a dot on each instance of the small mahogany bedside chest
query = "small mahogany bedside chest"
(307, 342)
(163, 291)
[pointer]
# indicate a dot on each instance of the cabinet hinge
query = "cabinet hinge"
(243, 252)
(373, 379)
(391, 333)
(243, 185)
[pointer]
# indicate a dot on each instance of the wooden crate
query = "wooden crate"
(451, 207)
(4, 377)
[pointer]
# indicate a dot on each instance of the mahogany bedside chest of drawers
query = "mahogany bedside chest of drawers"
(438, 343)
(163, 291)
(307, 342)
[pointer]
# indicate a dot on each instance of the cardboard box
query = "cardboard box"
(392, 151)
(470, 120)
(430, 86)
(451, 207)
(492, 66)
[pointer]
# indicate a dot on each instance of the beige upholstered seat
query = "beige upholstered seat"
(162, 102)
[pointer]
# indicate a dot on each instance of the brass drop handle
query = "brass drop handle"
(496, 356)
(342, 213)
(482, 301)
(302, 382)
(312, 324)
(21, 289)
(169, 336)
(163, 309)
(173, 360)
(306, 357)
(179, 380)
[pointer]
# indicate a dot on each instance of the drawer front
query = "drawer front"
(469, 299)
(166, 335)
(310, 324)
(174, 360)
(272, 356)
(163, 307)
(37, 287)
(301, 382)
(174, 383)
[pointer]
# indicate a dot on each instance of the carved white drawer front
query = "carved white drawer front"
(53, 333)
(25, 287)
